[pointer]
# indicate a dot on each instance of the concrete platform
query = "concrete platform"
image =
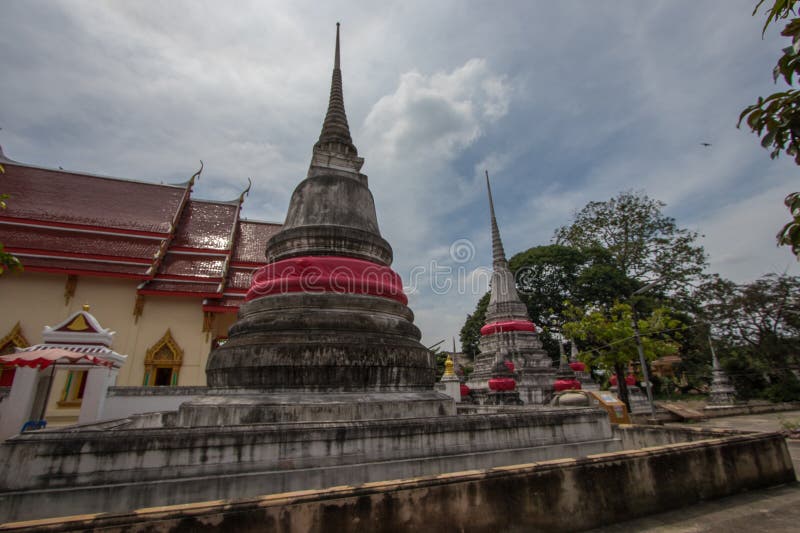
(563, 495)
(122, 465)
(764, 422)
(773, 509)
(232, 409)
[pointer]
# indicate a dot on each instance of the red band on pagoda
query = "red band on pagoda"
(567, 384)
(577, 366)
(509, 325)
(327, 274)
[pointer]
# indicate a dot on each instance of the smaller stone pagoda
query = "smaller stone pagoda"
(509, 334)
(723, 394)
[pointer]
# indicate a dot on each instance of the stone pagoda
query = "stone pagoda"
(723, 393)
(509, 334)
(326, 321)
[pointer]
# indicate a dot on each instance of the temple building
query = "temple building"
(164, 270)
(509, 335)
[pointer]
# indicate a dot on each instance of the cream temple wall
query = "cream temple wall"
(35, 300)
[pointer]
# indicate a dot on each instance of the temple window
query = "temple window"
(163, 362)
(14, 339)
(72, 394)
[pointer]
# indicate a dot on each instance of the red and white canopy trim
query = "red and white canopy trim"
(49, 356)
(43, 355)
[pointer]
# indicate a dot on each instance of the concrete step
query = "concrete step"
(684, 413)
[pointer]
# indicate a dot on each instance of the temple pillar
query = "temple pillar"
(16, 409)
(98, 380)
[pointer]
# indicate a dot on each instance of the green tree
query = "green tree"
(756, 327)
(776, 118)
(644, 244)
(607, 339)
(471, 330)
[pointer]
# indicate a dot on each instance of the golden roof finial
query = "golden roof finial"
(448, 367)
(86, 307)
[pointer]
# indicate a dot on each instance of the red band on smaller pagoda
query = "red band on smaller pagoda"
(509, 325)
(327, 274)
(577, 366)
(566, 384)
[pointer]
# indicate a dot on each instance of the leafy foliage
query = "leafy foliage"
(471, 330)
(790, 233)
(608, 340)
(757, 330)
(440, 356)
(643, 244)
(776, 118)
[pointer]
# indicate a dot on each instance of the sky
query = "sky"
(562, 102)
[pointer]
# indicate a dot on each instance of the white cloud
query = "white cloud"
(435, 116)
(740, 237)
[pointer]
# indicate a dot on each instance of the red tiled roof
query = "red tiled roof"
(239, 278)
(18, 238)
(71, 223)
(251, 241)
(69, 198)
(226, 304)
(194, 288)
(86, 268)
(206, 225)
(191, 266)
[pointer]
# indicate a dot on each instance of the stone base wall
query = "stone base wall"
(122, 402)
(560, 495)
(735, 410)
(121, 465)
(232, 410)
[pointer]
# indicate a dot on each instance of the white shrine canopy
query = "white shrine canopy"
(78, 340)
(40, 357)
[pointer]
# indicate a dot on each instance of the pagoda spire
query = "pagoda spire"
(335, 149)
(504, 302)
(335, 128)
(498, 253)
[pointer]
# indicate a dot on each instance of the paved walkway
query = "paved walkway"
(775, 509)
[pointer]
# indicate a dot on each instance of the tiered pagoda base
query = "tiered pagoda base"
(533, 368)
(723, 393)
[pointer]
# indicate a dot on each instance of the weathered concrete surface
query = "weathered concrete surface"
(761, 422)
(773, 509)
(311, 407)
(561, 495)
(737, 410)
(114, 468)
(123, 402)
(328, 207)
